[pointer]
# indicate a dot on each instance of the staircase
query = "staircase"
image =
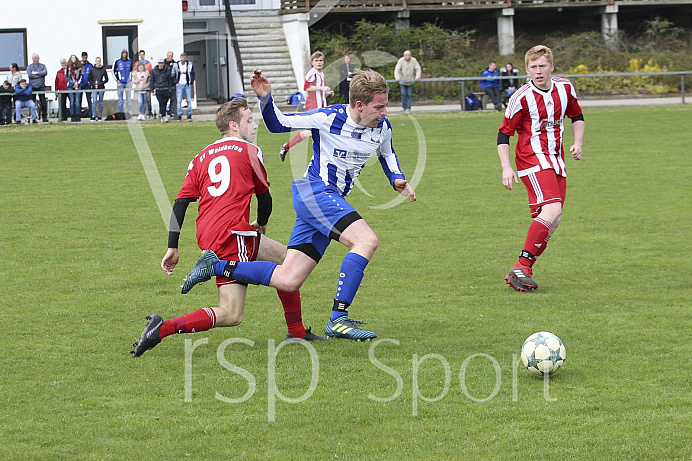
(263, 46)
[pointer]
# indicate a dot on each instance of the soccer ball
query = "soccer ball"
(543, 353)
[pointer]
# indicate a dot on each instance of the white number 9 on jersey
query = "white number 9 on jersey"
(223, 177)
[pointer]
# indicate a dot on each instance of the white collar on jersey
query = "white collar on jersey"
(231, 138)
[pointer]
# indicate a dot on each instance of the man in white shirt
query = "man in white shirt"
(184, 77)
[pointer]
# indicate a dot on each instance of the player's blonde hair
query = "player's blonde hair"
(538, 51)
(365, 84)
(230, 112)
(315, 55)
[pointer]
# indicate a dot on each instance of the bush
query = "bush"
(464, 53)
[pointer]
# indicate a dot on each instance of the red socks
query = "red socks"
(536, 240)
(294, 140)
(205, 319)
(199, 320)
(292, 312)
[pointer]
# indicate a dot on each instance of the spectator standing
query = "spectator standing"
(37, 79)
(23, 99)
(6, 92)
(84, 83)
(149, 68)
(161, 85)
(316, 87)
(510, 85)
(15, 75)
(184, 77)
(492, 86)
(346, 71)
(98, 77)
(74, 77)
(169, 63)
(141, 78)
(407, 72)
(61, 85)
(122, 71)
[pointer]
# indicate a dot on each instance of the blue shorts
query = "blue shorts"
(321, 215)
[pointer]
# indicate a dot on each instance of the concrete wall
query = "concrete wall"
(298, 40)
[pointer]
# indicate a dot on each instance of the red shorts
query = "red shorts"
(544, 186)
(242, 246)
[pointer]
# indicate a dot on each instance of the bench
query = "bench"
(483, 98)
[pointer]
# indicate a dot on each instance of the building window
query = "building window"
(13, 48)
(194, 26)
(116, 39)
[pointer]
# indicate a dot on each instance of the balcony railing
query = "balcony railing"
(357, 6)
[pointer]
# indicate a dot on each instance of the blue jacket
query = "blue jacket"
(122, 70)
(490, 83)
(86, 69)
(23, 94)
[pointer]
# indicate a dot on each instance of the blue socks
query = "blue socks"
(350, 276)
(255, 272)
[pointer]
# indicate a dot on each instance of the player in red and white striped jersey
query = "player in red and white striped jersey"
(537, 113)
(317, 89)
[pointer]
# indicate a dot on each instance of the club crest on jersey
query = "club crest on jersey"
(375, 134)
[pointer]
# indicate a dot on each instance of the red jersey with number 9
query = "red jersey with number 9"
(224, 176)
(538, 117)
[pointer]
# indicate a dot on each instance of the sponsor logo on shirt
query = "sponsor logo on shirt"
(545, 124)
(342, 153)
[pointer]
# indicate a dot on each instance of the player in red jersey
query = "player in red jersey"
(224, 176)
(537, 112)
(317, 89)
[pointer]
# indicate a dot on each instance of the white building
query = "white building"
(57, 30)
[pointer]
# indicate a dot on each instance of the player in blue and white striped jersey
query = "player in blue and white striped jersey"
(344, 138)
(341, 146)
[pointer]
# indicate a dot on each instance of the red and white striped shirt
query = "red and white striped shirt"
(315, 99)
(539, 118)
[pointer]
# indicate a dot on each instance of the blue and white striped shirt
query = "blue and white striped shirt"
(340, 146)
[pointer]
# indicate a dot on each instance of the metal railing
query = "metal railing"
(463, 80)
(355, 6)
(126, 91)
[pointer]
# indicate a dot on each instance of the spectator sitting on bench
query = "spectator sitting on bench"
(510, 85)
(6, 92)
(23, 91)
(491, 86)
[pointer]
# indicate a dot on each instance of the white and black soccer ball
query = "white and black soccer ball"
(543, 353)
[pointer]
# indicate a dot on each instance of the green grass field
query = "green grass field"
(82, 240)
